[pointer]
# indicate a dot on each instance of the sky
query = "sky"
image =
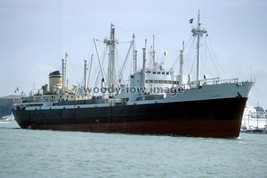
(35, 34)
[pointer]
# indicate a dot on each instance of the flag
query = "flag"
(191, 21)
(165, 53)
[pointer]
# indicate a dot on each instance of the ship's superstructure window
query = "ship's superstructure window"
(30, 105)
(162, 81)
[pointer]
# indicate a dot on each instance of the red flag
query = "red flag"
(191, 21)
(165, 53)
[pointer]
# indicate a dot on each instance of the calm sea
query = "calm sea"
(34, 153)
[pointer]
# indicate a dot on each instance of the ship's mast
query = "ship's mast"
(198, 32)
(144, 66)
(84, 76)
(64, 61)
(153, 54)
(181, 65)
(89, 72)
(134, 55)
(111, 64)
(135, 61)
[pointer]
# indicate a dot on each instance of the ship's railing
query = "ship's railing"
(211, 81)
(217, 80)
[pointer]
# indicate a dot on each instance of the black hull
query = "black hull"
(207, 118)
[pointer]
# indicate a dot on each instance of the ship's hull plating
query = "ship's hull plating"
(204, 118)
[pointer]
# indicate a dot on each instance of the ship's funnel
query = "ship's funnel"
(55, 80)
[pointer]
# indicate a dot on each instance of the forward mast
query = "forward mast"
(198, 32)
(111, 43)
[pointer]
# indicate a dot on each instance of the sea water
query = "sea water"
(39, 153)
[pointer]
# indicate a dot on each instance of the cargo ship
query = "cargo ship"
(154, 101)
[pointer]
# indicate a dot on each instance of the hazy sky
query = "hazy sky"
(34, 35)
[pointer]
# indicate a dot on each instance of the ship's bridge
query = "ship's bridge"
(160, 78)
